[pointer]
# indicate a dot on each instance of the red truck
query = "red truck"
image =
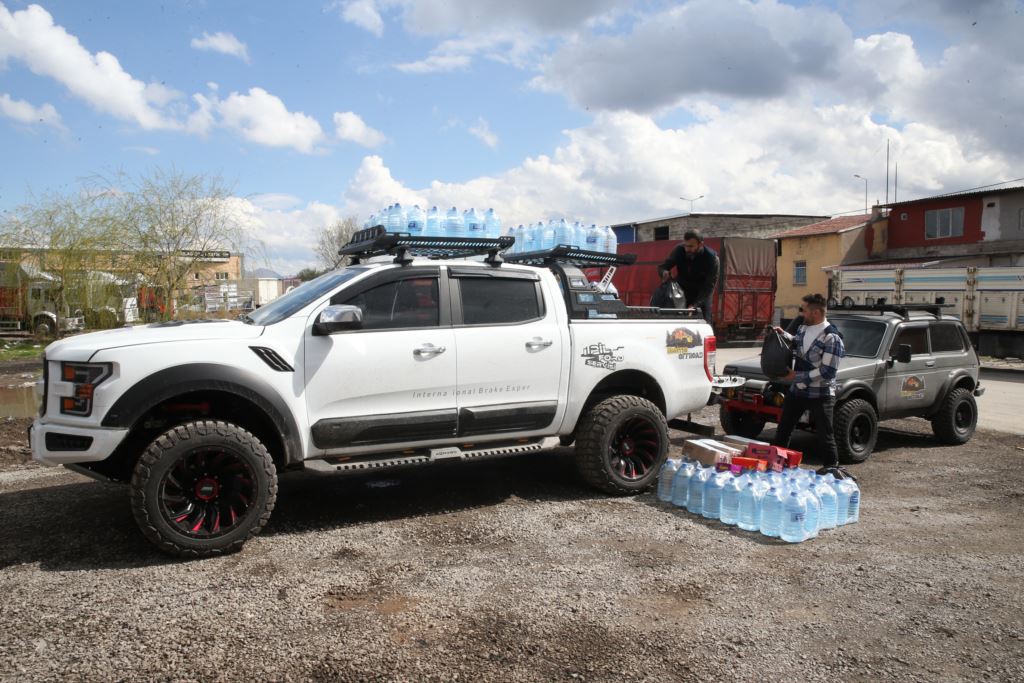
(744, 301)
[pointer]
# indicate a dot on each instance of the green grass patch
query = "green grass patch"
(21, 350)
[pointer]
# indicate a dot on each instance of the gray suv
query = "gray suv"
(901, 361)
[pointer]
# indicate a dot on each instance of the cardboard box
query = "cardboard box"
(709, 452)
(745, 463)
(788, 456)
(741, 442)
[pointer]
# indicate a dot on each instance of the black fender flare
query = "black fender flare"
(857, 386)
(947, 386)
(182, 379)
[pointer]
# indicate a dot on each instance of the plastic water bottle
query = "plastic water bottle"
(812, 522)
(731, 501)
(492, 224)
(853, 513)
(564, 233)
(713, 487)
(435, 223)
(681, 482)
(520, 236)
(845, 489)
(396, 218)
(611, 240)
(593, 239)
(794, 518)
(415, 221)
(771, 512)
(665, 478)
(827, 497)
(453, 223)
(547, 235)
(695, 495)
(370, 222)
(475, 224)
(749, 517)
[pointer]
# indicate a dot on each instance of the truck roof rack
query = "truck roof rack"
(377, 241)
(563, 253)
(900, 309)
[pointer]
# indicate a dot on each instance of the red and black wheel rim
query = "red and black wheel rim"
(635, 448)
(207, 492)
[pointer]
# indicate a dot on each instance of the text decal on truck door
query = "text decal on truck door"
(600, 356)
(681, 340)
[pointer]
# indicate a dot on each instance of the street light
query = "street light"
(685, 199)
(865, 191)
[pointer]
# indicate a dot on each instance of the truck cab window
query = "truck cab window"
(917, 337)
(496, 301)
(403, 303)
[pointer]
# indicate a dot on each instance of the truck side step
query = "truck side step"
(691, 426)
(427, 456)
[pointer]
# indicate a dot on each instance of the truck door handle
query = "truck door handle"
(428, 350)
(538, 343)
(929, 364)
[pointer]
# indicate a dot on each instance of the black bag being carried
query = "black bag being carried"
(668, 295)
(776, 354)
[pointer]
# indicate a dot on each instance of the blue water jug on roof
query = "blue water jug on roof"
(492, 224)
(453, 223)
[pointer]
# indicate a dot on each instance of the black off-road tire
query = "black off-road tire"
(856, 428)
(740, 423)
(621, 445)
(957, 418)
(201, 474)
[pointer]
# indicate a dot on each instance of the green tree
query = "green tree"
(307, 274)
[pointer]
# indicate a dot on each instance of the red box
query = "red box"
(750, 463)
(790, 457)
(758, 451)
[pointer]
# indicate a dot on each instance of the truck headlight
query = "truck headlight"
(84, 377)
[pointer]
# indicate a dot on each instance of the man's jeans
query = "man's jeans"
(821, 410)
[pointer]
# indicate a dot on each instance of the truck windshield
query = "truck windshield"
(300, 297)
(860, 337)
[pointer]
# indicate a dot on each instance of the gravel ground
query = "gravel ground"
(513, 570)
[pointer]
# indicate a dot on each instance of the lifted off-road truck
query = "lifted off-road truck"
(901, 361)
(423, 350)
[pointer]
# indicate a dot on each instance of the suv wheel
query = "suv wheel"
(621, 445)
(957, 417)
(856, 427)
(203, 488)
(740, 423)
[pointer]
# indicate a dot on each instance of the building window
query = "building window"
(195, 276)
(1020, 220)
(661, 232)
(800, 273)
(942, 223)
(222, 276)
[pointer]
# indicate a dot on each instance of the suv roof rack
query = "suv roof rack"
(377, 241)
(901, 309)
(563, 253)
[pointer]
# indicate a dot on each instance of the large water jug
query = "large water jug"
(611, 240)
(812, 522)
(435, 223)
(713, 487)
(594, 240)
(695, 495)
(415, 221)
(749, 518)
(370, 222)
(453, 223)
(396, 219)
(563, 232)
(520, 235)
(845, 489)
(665, 478)
(771, 512)
(827, 496)
(853, 513)
(475, 227)
(492, 224)
(681, 482)
(731, 501)
(547, 235)
(794, 519)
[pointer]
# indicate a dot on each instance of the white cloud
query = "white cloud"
(24, 112)
(482, 131)
(362, 13)
(225, 43)
(281, 237)
(435, 64)
(349, 126)
(31, 37)
(471, 16)
(151, 151)
(262, 118)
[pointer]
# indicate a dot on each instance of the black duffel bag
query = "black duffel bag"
(668, 295)
(776, 354)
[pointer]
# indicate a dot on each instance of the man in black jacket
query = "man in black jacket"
(697, 269)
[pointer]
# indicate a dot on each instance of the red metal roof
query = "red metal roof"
(957, 195)
(833, 225)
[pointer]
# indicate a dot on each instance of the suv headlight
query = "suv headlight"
(84, 377)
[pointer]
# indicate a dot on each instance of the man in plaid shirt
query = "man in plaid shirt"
(818, 347)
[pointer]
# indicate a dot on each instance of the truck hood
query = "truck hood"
(81, 347)
(850, 366)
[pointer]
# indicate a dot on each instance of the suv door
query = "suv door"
(510, 349)
(393, 381)
(950, 348)
(911, 388)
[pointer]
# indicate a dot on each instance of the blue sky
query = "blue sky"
(598, 110)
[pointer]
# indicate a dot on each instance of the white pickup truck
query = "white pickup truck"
(414, 354)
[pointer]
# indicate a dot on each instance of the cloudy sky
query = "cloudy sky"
(597, 110)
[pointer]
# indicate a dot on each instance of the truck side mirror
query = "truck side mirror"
(338, 319)
(903, 353)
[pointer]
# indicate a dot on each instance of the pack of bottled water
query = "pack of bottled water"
(542, 235)
(794, 505)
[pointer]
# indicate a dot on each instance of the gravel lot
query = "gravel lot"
(513, 570)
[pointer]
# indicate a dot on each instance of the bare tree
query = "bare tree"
(332, 238)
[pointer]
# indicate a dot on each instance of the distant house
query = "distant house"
(988, 224)
(710, 225)
(805, 252)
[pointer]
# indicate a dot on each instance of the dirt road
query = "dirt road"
(513, 570)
